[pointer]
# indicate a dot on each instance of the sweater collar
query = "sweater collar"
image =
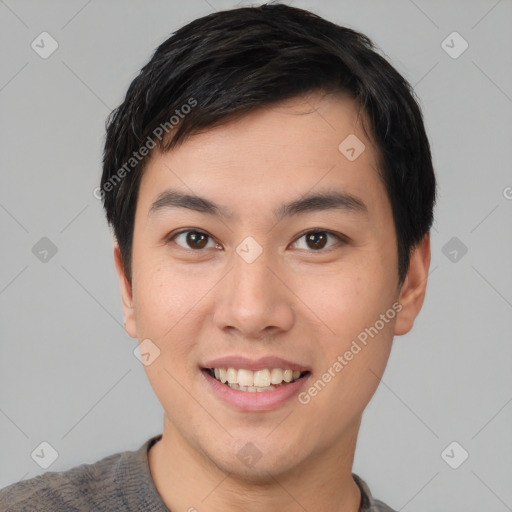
(138, 491)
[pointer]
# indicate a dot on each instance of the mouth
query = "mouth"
(254, 385)
(266, 379)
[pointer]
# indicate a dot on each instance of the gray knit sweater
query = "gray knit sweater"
(118, 482)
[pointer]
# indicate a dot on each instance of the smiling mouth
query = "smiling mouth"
(255, 381)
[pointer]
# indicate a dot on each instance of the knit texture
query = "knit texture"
(119, 482)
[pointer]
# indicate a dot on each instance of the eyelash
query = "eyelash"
(339, 236)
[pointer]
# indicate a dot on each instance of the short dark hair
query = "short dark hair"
(229, 63)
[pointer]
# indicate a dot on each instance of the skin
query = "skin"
(294, 301)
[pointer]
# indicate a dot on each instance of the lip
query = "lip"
(254, 401)
(269, 362)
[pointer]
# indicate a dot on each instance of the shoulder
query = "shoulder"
(368, 502)
(84, 487)
(379, 506)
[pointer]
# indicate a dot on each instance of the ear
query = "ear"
(412, 292)
(126, 293)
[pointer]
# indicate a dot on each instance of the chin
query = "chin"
(258, 461)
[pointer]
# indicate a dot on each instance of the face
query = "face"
(259, 284)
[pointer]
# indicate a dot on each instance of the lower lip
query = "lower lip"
(256, 400)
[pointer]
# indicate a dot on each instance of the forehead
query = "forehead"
(274, 154)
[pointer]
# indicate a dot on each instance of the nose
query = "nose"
(254, 301)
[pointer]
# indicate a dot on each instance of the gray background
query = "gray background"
(68, 375)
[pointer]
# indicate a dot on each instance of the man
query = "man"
(270, 186)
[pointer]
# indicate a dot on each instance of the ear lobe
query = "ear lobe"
(412, 292)
(126, 293)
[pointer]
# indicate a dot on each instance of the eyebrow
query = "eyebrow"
(319, 201)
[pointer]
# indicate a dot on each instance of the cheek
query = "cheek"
(347, 297)
(161, 299)
(353, 363)
(357, 306)
(350, 305)
(166, 310)
(166, 313)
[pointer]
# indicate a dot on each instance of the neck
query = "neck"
(188, 479)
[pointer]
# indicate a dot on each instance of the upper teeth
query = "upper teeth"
(259, 378)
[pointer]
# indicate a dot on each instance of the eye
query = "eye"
(317, 239)
(193, 239)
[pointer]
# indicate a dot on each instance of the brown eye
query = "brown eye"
(317, 240)
(196, 240)
(191, 239)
